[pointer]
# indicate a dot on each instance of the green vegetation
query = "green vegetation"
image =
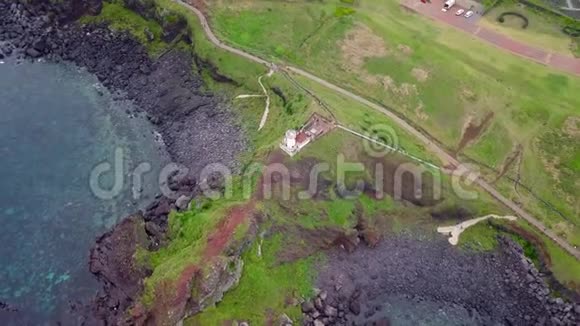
(565, 267)
(544, 30)
(482, 236)
(120, 18)
(188, 232)
(265, 288)
(431, 74)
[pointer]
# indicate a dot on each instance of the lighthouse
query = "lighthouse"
(290, 139)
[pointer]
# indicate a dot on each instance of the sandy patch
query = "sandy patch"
(405, 49)
(420, 112)
(388, 83)
(563, 228)
(408, 89)
(361, 43)
(468, 95)
(420, 75)
(405, 89)
(370, 79)
(572, 126)
(551, 166)
(455, 231)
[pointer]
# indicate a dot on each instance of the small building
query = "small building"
(315, 127)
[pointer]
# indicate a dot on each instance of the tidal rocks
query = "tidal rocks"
(33, 53)
(501, 287)
(196, 129)
(7, 307)
(182, 202)
(320, 311)
(111, 261)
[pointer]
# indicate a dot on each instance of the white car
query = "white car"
(468, 14)
(459, 12)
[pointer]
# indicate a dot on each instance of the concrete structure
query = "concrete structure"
(314, 128)
(290, 139)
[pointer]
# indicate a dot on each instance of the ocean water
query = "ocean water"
(68, 152)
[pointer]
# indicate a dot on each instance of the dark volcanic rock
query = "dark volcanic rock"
(33, 53)
(194, 126)
(111, 261)
(501, 287)
(354, 307)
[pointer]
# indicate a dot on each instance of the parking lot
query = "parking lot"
(568, 7)
(433, 10)
(470, 26)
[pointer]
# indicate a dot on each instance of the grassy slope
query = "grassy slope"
(188, 232)
(528, 99)
(263, 290)
(278, 281)
(121, 19)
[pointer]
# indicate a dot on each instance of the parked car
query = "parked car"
(447, 5)
(469, 14)
(459, 12)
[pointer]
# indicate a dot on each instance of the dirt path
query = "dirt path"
(446, 158)
(266, 96)
(555, 60)
(219, 239)
(455, 231)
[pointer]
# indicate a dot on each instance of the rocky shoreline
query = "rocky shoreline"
(502, 287)
(498, 288)
(195, 127)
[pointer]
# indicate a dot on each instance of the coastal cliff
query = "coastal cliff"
(195, 126)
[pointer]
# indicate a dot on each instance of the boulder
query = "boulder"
(163, 208)
(150, 36)
(354, 307)
(319, 304)
(307, 307)
(318, 322)
(39, 45)
(330, 311)
(33, 53)
(285, 320)
(182, 202)
(154, 231)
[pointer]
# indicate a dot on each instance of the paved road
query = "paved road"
(431, 145)
(555, 60)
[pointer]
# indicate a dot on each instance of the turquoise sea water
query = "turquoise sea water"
(56, 126)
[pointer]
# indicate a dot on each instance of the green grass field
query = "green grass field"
(264, 288)
(543, 31)
(432, 74)
(457, 78)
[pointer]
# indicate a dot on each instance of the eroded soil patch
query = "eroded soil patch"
(360, 44)
(473, 129)
(509, 161)
(420, 74)
(572, 126)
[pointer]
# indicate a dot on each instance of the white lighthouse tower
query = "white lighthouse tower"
(291, 139)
